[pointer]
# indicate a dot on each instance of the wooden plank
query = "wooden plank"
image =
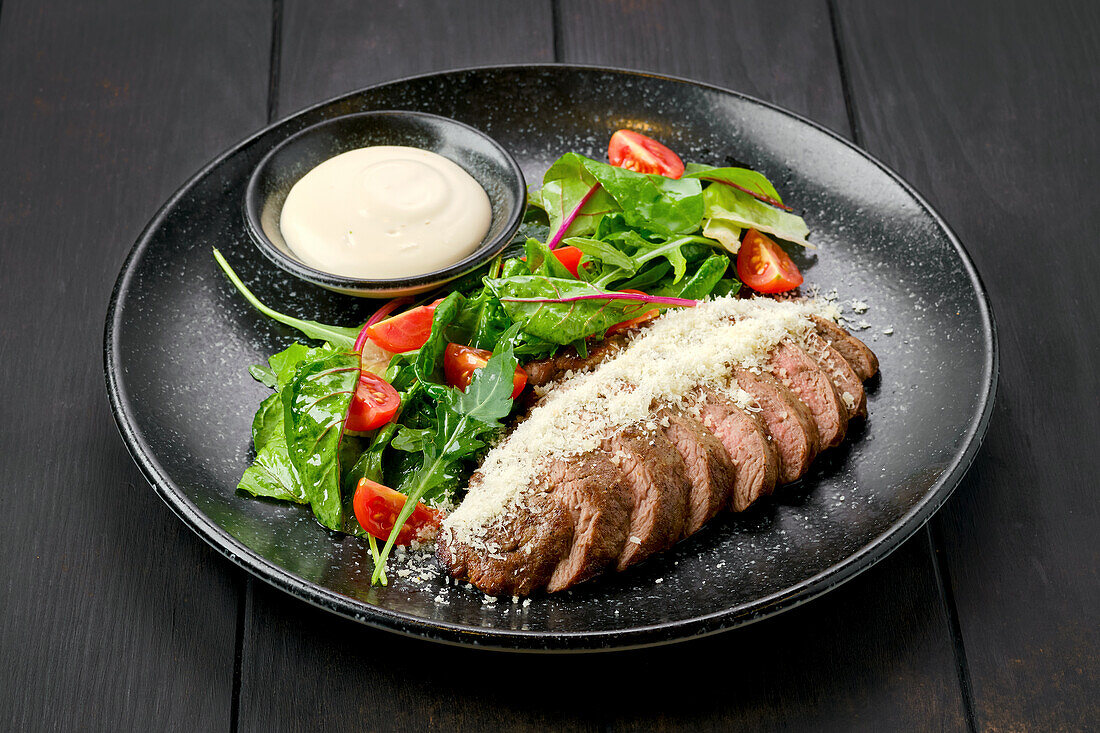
(351, 44)
(856, 659)
(781, 51)
(991, 112)
(114, 615)
(873, 654)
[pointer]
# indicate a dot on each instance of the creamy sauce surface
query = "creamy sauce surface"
(385, 212)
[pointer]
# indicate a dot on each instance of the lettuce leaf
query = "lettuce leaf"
(570, 190)
(733, 208)
(655, 203)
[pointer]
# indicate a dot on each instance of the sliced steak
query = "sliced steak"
(708, 467)
(844, 378)
(798, 371)
(594, 493)
(863, 361)
(659, 489)
(520, 553)
(543, 371)
(754, 458)
(788, 421)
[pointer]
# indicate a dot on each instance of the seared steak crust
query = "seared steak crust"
(862, 360)
(788, 421)
(745, 438)
(655, 474)
(708, 468)
(798, 371)
(837, 368)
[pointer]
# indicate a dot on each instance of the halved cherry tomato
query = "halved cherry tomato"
(570, 257)
(460, 362)
(633, 322)
(636, 152)
(405, 331)
(377, 506)
(764, 266)
(374, 404)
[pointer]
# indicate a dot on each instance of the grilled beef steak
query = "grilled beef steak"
(650, 484)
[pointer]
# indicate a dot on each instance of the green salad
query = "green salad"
(378, 427)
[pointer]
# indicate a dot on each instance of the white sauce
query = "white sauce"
(385, 212)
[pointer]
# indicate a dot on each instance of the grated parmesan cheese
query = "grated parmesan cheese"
(682, 351)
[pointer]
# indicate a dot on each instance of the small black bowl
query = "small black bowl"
(478, 154)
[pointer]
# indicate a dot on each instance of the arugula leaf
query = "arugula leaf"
(338, 336)
(612, 260)
(656, 203)
(428, 366)
(572, 196)
(315, 404)
(731, 207)
(463, 420)
(699, 284)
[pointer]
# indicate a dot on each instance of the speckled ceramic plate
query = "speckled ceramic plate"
(179, 341)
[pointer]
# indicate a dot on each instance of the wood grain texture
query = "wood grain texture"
(113, 615)
(992, 114)
(875, 654)
(349, 44)
(856, 659)
(782, 52)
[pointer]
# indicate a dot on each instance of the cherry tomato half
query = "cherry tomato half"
(406, 331)
(571, 258)
(374, 404)
(636, 152)
(460, 362)
(633, 322)
(764, 266)
(377, 506)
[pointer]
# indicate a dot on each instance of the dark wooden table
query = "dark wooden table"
(114, 616)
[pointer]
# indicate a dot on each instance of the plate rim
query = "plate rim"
(557, 641)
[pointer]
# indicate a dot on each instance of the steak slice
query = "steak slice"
(708, 467)
(754, 458)
(543, 371)
(844, 378)
(520, 553)
(787, 420)
(594, 493)
(798, 371)
(659, 489)
(863, 361)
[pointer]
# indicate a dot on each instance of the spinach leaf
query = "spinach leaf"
(264, 374)
(559, 323)
(271, 474)
(338, 336)
(315, 403)
(572, 196)
(286, 362)
(731, 207)
(463, 421)
(656, 203)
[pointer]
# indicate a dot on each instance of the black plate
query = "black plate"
(179, 339)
